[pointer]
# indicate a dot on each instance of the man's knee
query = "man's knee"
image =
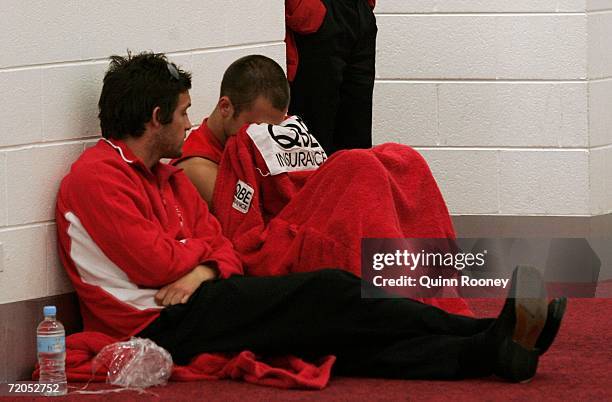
(355, 162)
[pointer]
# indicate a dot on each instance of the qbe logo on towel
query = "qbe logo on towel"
(289, 147)
(243, 197)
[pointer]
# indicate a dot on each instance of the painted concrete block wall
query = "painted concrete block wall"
(509, 101)
(54, 55)
(600, 104)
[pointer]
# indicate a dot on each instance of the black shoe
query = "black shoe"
(519, 326)
(556, 310)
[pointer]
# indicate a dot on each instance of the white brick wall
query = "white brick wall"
(57, 281)
(37, 32)
(483, 113)
(468, 177)
(22, 121)
(70, 100)
(600, 44)
(25, 267)
(54, 55)
(33, 183)
(601, 182)
(3, 198)
(509, 181)
(593, 5)
(481, 6)
(482, 46)
(509, 101)
(544, 182)
(600, 104)
(600, 112)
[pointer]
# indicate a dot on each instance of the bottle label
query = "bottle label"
(51, 344)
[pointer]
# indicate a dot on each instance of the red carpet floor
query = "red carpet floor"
(577, 368)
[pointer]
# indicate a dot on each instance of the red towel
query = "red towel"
(281, 372)
(284, 213)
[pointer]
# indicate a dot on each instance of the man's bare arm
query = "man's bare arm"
(203, 174)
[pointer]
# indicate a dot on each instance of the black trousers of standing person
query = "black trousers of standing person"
(332, 89)
(320, 313)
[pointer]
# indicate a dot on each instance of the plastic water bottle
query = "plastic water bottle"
(51, 342)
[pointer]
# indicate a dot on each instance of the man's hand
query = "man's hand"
(180, 290)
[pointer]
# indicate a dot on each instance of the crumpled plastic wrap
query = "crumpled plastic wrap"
(137, 363)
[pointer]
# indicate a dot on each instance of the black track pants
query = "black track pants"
(320, 313)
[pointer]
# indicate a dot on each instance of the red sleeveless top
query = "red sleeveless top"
(202, 143)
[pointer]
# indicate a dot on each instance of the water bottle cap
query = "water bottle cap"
(49, 310)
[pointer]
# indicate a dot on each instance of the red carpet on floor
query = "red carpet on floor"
(578, 367)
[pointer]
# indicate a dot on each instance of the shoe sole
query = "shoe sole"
(531, 309)
(530, 306)
(556, 311)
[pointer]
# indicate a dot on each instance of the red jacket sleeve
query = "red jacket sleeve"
(222, 255)
(304, 16)
(117, 216)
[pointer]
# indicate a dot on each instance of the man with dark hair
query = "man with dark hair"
(147, 258)
(122, 111)
(123, 251)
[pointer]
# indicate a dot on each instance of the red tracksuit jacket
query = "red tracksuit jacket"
(126, 231)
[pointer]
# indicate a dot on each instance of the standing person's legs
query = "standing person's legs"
(348, 33)
(354, 118)
(315, 91)
(322, 313)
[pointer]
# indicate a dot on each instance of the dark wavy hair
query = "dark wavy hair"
(252, 76)
(135, 85)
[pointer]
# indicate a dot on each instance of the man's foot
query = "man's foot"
(519, 326)
(556, 310)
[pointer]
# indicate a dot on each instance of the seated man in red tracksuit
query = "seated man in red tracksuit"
(147, 258)
(302, 210)
(296, 230)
